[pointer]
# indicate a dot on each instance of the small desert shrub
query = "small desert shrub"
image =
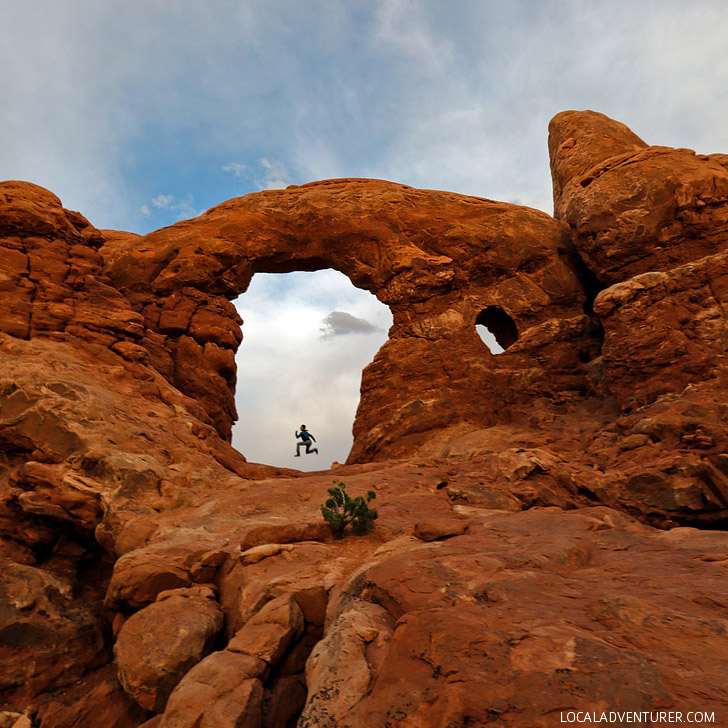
(341, 509)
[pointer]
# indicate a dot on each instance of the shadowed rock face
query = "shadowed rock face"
(544, 537)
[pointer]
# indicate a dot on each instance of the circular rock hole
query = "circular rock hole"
(496, 328)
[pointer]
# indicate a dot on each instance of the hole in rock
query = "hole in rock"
(496, 328)
(306, 338)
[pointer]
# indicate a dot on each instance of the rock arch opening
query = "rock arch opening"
(306, 338)
(496, 328)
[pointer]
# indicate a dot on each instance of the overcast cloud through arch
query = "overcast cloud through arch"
(341, 323)
(300, 362)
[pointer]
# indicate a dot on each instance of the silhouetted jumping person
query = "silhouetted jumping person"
(306, 437)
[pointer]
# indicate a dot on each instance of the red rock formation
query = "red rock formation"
(48, 637)
(53, 278)
(634, 208)
(652, 224)
(515, 622)
(536, 549)
(437, 259)
(105, 706)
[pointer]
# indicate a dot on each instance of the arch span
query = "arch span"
(432, 257)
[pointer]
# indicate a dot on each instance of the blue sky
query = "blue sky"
(143, 112)
(114, 105)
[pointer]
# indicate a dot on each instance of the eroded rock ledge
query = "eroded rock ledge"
(551, 531)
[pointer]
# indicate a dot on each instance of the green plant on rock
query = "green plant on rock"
(341, 509)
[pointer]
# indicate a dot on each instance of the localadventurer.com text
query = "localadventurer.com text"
(647, 718)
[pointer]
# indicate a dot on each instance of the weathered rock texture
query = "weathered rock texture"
(635, 208)
(551, 519)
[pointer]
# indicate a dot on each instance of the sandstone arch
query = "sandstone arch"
(435, 258)
(98, 449)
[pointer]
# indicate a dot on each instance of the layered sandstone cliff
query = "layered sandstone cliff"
(551, 530)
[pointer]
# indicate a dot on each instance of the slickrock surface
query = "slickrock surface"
(551, 531)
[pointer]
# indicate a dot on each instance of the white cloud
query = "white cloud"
(182, 209)
(275, 175)
(163, 202)
(269, 174)
(341, 323)
(401, 25)
(237, 168)
(454, 95)
(92, 90)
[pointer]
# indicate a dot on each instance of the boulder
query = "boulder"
(158, 645)
(664, 329)
(634, 208)
(436, 530)
(268, 634)
(225, 690)
(104, 706)
(222, 691)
